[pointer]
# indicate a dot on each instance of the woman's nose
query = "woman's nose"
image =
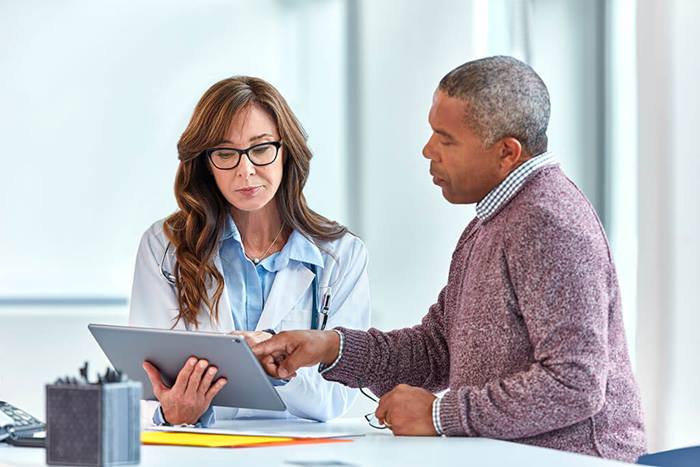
(245, 167)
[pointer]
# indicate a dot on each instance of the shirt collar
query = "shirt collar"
(298, 248)
(505, 190)
(231, 230)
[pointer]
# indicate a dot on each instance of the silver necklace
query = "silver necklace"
(262, 256)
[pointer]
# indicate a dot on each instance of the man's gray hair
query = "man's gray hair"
(503, 97)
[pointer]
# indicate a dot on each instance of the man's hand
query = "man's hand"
(252, 337)
(191, 394)
(284, 353)
(407, 410)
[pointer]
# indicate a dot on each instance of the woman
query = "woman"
(245, 254)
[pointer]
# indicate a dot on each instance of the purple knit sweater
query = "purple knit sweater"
(527, 335)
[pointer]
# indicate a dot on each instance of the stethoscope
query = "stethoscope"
(323, 310)
(322, 288)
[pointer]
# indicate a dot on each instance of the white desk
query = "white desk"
(376, 448)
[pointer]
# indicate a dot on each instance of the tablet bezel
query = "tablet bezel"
(248, 385)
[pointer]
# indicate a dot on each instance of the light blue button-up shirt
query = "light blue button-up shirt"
(248, 284)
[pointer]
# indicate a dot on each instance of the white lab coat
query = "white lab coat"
(288, 306)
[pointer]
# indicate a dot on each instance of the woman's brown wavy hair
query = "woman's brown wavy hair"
(194, 229)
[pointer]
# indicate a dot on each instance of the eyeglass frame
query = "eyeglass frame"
(244, 152)
(371, 417)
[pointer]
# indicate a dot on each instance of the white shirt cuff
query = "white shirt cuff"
(436, 416)
(323, 368)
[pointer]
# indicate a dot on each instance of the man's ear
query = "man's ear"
(511, 154)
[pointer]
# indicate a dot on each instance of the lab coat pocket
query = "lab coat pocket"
(298, 318)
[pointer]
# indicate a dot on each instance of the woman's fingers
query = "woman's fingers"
(184, 375)
(154, 376)
(214, 390)
(207, 380)
(196, 378)
(252, 337)
(249, 339)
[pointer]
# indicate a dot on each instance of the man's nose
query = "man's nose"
(428, 152)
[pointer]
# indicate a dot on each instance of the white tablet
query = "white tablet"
(248, 385)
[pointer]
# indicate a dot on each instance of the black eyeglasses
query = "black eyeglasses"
(258, 155)
(370, 417)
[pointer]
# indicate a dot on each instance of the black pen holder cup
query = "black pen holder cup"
(93, 424)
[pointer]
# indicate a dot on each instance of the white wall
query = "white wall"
(40, 345)
(566, 38)
(622, 149)
(669, 221)
(410, 230)
(94, 98)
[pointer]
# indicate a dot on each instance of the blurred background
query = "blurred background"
(94, 96)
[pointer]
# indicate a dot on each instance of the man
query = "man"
(527, 335)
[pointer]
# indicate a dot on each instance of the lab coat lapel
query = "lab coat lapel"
(289, 286)
(225, 323)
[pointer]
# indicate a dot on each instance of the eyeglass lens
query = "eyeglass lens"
(261, 154)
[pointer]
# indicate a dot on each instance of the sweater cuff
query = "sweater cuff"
(450, 416)
(349, 368)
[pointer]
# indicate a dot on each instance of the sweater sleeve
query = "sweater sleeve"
(560, 270)
(417, 356)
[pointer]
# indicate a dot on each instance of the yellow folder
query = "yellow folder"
(208, 440)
